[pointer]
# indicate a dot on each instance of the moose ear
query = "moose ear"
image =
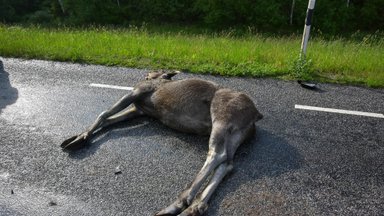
(169, 75)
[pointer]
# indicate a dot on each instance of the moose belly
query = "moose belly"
(185, 117)
(185, 105)
(186, 123)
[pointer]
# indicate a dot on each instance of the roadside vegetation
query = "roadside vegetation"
(236, 38)
(250, 54)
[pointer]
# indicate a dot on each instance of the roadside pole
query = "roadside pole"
(302, 58)
(307, 27)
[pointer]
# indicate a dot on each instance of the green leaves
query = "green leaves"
(302, 68)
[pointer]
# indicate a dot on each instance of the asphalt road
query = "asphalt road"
(300, 162)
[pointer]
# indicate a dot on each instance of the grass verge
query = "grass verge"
(338, 60)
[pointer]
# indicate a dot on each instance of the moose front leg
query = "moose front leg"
(104, 119)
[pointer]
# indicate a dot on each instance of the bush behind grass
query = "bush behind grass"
(338, 60)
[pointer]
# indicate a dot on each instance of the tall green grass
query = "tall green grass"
(337, 60)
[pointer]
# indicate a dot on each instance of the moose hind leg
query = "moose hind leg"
(232, 142)
(200, 205)
(217, 154)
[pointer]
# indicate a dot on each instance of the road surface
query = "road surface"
(301, 162)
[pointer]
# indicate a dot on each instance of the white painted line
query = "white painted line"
(349, 112)
(111, 86)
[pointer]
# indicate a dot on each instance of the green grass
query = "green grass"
(338, 60)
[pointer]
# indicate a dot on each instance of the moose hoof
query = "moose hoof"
(74, 143)
(195, 210)
(174, 209)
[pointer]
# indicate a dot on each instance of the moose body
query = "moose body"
(171, 103)
(192, 106)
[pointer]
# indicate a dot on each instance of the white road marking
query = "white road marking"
(297, 106)
(111, 86)
(349, 112)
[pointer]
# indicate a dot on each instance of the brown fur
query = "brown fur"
(193, 106)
